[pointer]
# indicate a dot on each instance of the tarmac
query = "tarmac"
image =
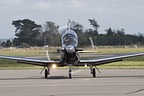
(111, 82)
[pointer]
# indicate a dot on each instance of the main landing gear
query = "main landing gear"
(93, 71)
(47, 72)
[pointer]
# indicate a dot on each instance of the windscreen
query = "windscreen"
(69, 38)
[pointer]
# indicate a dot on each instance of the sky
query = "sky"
(117, 14)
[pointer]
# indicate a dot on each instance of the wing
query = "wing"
(95, 62)
(109, 59)
(32, 61)
(89, 51)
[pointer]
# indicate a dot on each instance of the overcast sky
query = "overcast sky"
(117, 14)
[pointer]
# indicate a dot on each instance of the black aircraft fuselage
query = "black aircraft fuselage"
(69, 54)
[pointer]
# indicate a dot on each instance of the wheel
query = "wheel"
(94, 72)
(46, 73)
(70, 74)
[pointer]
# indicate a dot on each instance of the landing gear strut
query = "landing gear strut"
(47, 72)
(70, 71)
(70, 74)
(93, 71)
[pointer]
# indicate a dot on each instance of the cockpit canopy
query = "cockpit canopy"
(69, 37)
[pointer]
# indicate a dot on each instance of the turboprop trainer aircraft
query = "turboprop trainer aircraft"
(70, 56)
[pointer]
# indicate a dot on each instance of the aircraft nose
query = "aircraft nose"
(70, 49)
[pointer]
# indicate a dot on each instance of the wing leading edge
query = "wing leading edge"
(106, 60)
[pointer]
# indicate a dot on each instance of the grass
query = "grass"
(134, 62)
(124, 64)
(120, 50)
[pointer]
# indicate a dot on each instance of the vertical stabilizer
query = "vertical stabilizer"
(69, 24)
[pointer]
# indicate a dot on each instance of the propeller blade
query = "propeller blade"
(92, 43)
(47, 55)
(76, 70)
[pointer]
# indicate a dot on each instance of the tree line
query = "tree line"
(28, 33)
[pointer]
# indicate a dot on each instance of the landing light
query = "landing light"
(85, 65)
(54, 66)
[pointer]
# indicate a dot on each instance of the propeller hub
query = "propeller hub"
(70, 49)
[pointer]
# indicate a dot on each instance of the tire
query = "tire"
(46, 73)
(94, 73)
(70, 74)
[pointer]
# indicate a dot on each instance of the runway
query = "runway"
(111, 82)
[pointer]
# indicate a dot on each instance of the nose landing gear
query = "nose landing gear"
(70, 71)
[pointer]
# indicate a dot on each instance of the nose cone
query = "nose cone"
(70, 49)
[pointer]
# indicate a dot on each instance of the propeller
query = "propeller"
(64, 28)
(48, 57)
(92, 43)
(76, 71)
